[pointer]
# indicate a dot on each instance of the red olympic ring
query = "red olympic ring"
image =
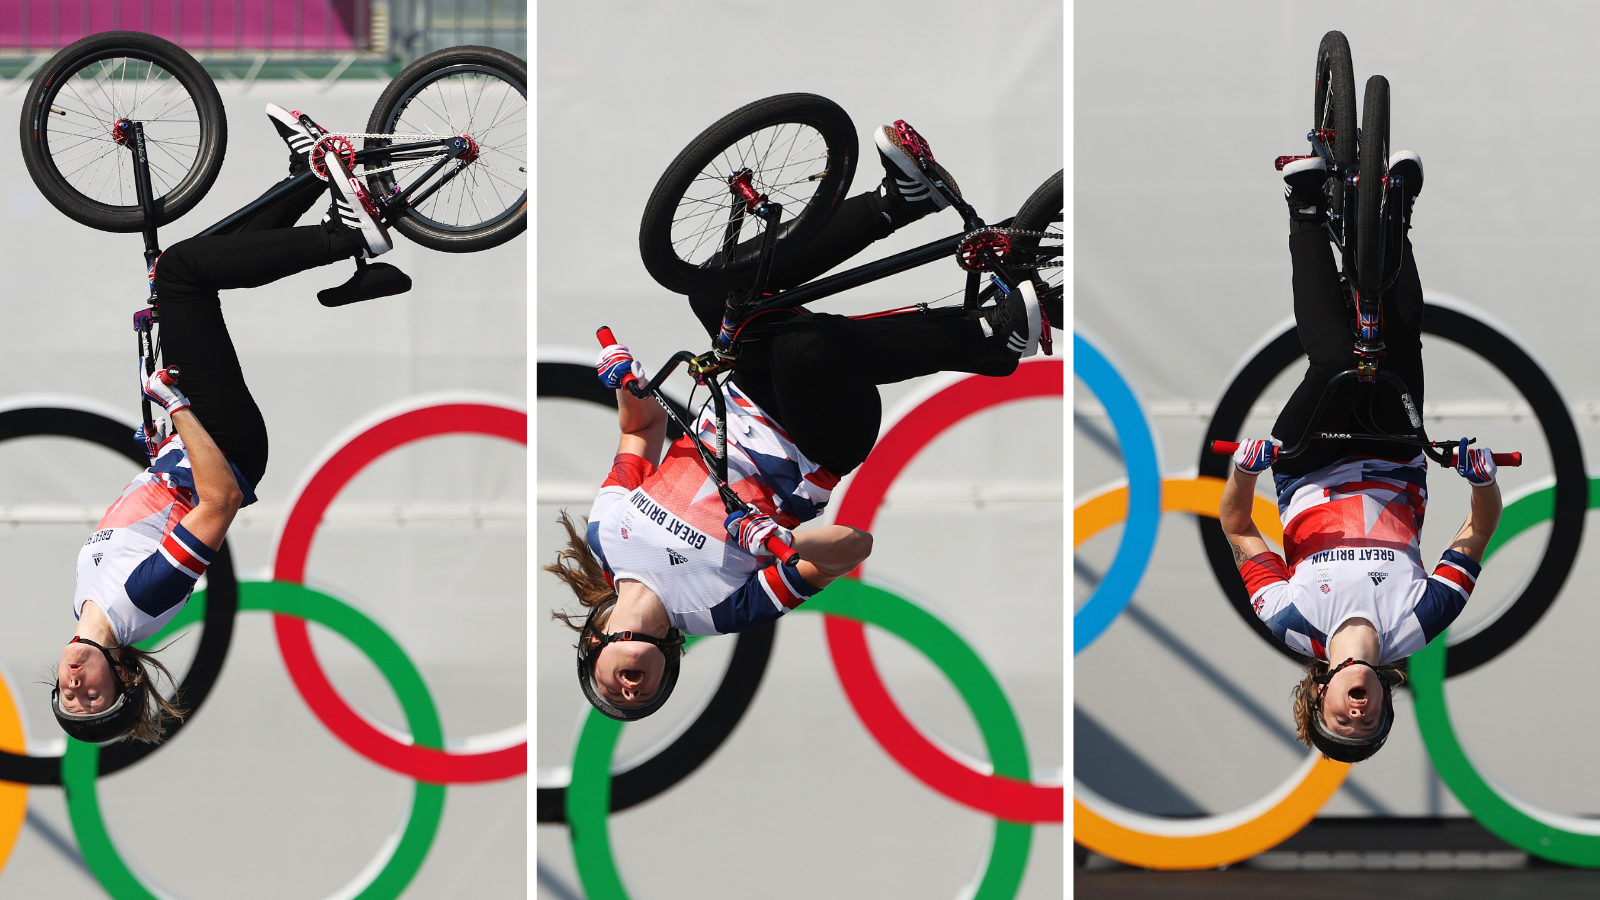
(1005, 798)
(294, 545)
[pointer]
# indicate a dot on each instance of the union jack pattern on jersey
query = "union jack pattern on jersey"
(1350, 536)
(140, 564)
(664, 526)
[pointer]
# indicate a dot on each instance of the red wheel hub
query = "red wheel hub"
(122, 132)
(471, 153)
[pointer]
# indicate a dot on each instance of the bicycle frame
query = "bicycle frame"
(757, 300)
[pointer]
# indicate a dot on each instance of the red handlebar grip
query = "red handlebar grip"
(1500, 459)
(1224, 447)
(605, 336)
(785, 553)
(169, 375)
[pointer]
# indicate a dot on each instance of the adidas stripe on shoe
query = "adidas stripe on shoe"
(353, 209)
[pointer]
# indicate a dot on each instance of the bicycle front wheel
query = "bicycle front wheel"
(80, 158)
(480, 199)
(799, 150)
(1370, 189)
(1040, 257)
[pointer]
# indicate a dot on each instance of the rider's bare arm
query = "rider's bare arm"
(830, 551)
(216, 488)
(643, 424)
(1238, 501)
(1481, 523)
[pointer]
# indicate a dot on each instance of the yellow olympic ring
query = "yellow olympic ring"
(13, 796)
(1153, 842)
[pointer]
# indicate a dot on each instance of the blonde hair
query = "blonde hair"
(156, 710)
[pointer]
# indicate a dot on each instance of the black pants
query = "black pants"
(817, 374)
(194, 336)
(1323, 323)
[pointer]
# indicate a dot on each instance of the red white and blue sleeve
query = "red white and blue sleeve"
(1449, 588)
(764, 596)
(166, 577)
(1273, 596)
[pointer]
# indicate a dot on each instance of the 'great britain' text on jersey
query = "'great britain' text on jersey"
(666, 520)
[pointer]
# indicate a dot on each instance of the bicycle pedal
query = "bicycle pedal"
(1282, 161)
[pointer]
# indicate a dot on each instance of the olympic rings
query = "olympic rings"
(1015, 801)
(695, 744)
(400, 857)
(1155, 842)
(94, 425)
(1562, 838)
(587, 794)
(13, 797)
(413, 420)
(1514, 362)
(1111, 596)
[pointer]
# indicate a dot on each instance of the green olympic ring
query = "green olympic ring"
(79, 767)
(1553, 836)
(589, 791)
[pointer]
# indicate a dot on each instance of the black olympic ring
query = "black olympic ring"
(222, 596)
(751, 651)
(1571, 490)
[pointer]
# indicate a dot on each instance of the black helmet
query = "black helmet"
(591, 691)
(113, 722)
(1348, 749)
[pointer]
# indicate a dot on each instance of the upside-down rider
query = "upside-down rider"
(661, 557)
(138, 568)
(1350, 588)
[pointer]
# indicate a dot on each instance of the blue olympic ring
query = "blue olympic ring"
(1111, 596)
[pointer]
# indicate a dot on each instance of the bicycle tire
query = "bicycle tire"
(421, 100)
(1042, 211)
(1334, 108)
(1374, 152)
(177, 180)
(677, 247)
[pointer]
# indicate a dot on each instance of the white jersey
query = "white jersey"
(140, 564)
(1351, 538)
(664, 526)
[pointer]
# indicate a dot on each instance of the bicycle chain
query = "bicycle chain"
(1012, 233)
(408, 164)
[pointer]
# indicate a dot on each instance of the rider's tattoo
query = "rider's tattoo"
(1239, 559)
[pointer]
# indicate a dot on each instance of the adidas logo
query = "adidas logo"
(1377, 577)
(1016, 343)
(97, 558)
(911, 190)
(675, 558)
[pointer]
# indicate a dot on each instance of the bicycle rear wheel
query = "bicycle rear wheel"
(475, 203)
(1039, 257)
(1334, 109)
(1370, 191)
(800, 150)
(77, 157)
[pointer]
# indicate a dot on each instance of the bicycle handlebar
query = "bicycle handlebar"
(606, 339)
(785, 553)
(1513, 459)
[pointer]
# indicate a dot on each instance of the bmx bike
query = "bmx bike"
(752, 190)
(1366, 221)
(125, 132)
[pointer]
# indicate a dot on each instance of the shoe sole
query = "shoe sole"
(890, 147)
(1030, 302)
(373, 234)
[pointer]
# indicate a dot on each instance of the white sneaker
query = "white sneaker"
(295, 133)
(353, 208)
